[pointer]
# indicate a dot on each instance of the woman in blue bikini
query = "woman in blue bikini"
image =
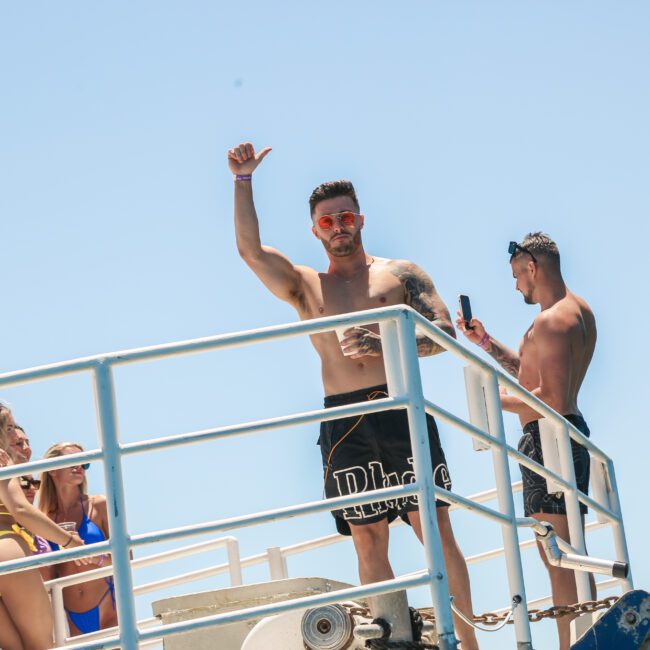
(63, 497)
(25, 614)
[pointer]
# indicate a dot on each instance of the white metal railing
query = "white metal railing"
(397, 328)
(233, 567)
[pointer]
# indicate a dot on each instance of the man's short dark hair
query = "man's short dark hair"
(540, 245)
(331, 190)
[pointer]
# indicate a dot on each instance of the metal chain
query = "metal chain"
(534, 615)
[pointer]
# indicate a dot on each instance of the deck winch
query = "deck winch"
(327, 628)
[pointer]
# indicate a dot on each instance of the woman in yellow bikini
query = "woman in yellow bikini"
(25, 614)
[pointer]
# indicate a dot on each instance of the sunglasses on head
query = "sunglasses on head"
(26, 482)
(346, 219)
(513, 247)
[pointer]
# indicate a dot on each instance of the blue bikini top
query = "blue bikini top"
(89, 531)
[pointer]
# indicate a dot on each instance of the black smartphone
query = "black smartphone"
(465, 310)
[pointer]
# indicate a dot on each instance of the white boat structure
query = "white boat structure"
(292, 613)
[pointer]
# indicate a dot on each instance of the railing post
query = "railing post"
(620, 543)
(277, 563)
(58, 611)
(476, 404)
(108, 436)
(509, 531)
(574, 518)
(234, 563)
(392, 360)
(412, 384)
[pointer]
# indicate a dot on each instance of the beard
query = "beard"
(343, 249)
(528, 297)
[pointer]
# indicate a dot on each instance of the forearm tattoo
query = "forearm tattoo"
(504, 357)
(419, 293)
(369, 343)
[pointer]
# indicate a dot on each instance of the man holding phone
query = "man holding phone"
(552, 361)
(373, 451)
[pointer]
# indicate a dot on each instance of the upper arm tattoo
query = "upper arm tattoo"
(420, 294)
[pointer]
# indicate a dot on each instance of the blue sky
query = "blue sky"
(462, 125)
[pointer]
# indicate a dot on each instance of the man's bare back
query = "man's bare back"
(559, 346)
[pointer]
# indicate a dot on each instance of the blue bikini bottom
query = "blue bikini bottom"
(87, 622)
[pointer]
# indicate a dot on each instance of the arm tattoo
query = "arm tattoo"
(504, 357)
(418, 293)
(370, 343)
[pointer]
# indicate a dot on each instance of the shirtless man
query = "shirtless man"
(552, 362)
(373, 450)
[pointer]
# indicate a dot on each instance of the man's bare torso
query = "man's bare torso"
(571, 318)
(325, 294)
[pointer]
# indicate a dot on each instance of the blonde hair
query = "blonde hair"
(5, 415)
(47, 499)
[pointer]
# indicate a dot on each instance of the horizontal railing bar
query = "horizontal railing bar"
(522, 459)
(257, 518)
(489, 495)
(194, 346)
(301, 547)
(141, 563)
(261, 611)
(321, 542)
(286, 512)
(335, 538)
(453, 346)
(46, 464)
(286, 331)
(454, 420)
(248, 520)
(320, 415)
(39, 373)
(174, 581)
(54, 557)
(459, 423)
(152, 621)
(450, 497)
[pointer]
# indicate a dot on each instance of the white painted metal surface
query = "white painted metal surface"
(397, 326)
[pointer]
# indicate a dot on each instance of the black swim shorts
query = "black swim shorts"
(536, 497)
(363, 453)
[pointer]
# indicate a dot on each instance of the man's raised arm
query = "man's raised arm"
(501, 353)
(277, 273)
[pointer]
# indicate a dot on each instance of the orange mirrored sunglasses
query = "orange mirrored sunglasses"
(344, 218)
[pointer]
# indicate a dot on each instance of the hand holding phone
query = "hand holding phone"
(465, 310)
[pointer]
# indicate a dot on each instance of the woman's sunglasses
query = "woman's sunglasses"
(326, 222)
(26, 482)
